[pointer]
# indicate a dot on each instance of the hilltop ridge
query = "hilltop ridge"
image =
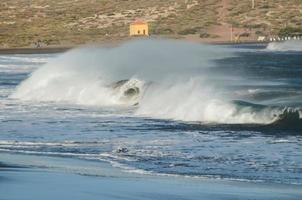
(69, 23)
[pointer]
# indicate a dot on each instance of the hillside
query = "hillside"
(74, 22)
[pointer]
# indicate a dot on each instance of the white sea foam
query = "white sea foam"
(198, 101)
(24, 144)
(170, 76)
(26, 58)
(290, 45)
(49, 153)
(83, 76)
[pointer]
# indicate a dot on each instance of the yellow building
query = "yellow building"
(139, 28)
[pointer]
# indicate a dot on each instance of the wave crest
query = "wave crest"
(166, 79)
(83, 76)
(188, 102)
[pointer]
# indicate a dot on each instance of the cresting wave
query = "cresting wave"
(88, 75)
(161, 78)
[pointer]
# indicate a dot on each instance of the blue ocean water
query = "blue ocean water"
(234, 115)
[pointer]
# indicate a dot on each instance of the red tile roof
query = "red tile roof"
(138, 22)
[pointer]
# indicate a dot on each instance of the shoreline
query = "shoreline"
(62, 49)
(30, 50)
(43, 177)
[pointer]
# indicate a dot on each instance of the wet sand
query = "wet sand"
(59, 179)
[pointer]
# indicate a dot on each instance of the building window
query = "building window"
(144, 31)
(138, 32)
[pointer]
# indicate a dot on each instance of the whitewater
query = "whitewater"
(176, 83)
(161, 107)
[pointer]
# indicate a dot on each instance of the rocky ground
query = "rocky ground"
(26, 23)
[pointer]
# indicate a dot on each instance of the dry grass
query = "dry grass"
(268, 15)
(73, 22)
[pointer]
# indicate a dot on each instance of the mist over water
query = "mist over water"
(175, 80)
(158, 107)
(290, 45)
(83, 75)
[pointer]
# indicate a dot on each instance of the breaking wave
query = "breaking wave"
(161, 78)
(92, 76)
(190, 103)
(290, 45)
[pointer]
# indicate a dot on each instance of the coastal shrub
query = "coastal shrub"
(188, 31)
(290, 31)
(163, 31)
(204, 35)
(244, 34)
(253, 26)
(259, 32)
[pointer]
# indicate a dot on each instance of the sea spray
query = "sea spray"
(259, 82)
(290, 45)
(163, 78)
(197, 101)
(85, 75)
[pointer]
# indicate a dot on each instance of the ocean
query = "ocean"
(160, 108)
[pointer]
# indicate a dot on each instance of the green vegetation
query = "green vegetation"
(290, 31)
